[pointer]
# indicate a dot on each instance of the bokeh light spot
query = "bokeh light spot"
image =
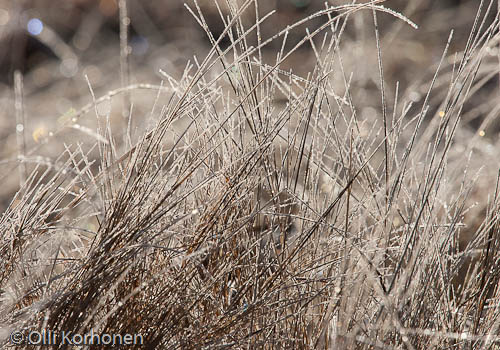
(69, 67)
(140, 45)
(104, 108)
(93, 73)
(39, 134)
(35, 26)
(108, 7)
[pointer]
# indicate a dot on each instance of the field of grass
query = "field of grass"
(295, 175)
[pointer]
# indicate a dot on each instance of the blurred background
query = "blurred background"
(55, 45)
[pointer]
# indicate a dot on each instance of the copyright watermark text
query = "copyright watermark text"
(47, 337)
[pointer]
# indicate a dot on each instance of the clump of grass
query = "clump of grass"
(274, 217)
